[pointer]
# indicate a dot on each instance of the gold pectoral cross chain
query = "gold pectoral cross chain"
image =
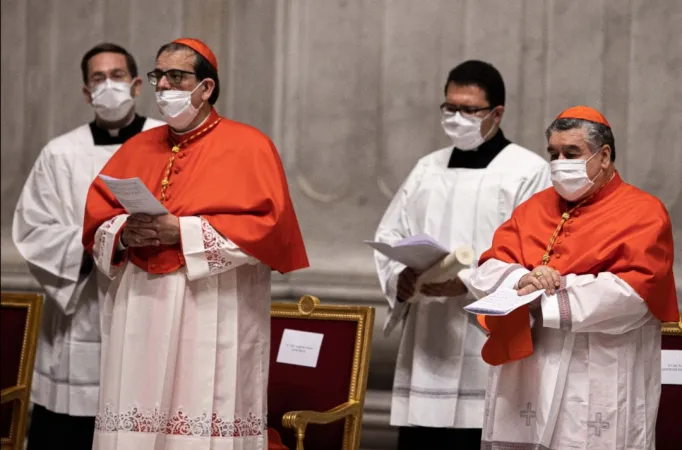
(174, 151)
(564, 218)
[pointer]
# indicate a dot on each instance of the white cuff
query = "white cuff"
(550, 311)
(106, 244)
(392, 283)
(395, 315)
(193, 247)
(206, 251)
(120, 247)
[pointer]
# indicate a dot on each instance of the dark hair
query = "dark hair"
(107, 48)
(596, 134)
(481, 74)
(202, 68)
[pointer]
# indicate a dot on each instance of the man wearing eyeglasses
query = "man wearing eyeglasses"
(47, 231)
(458, 195)
(186, 330)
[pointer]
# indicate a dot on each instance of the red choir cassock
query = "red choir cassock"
(228, 173)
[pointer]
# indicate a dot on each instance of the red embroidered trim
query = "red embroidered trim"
(565, 316)
(179, 424)
(101, 239)
(213, 245)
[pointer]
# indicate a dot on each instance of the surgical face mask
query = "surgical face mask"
(465, 132)
(112, 100)
(176, 107)
(570, 178)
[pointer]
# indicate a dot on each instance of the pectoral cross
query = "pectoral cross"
(528, 414)
(598, 425)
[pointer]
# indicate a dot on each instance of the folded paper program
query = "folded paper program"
(418, 252)
(501, 302)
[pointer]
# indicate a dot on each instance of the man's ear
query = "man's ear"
(87, 95)
(136, 87)
(209, 85)
(497, 114)
(605, 156)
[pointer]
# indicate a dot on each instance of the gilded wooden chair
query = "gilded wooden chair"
(668, 431)
(19, 325)
(321, 406)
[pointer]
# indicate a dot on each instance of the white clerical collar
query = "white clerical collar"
(114, 132)
(178, 133)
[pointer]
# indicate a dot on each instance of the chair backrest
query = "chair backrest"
(19, 325)
(668, 432)
(340, 375)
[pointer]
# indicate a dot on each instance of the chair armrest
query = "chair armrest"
(295, 419)
(9, 394)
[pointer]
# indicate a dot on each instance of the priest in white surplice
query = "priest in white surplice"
(584, 370)
(47, 231)
(459, 196)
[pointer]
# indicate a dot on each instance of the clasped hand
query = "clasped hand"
(142, 230)
(541, 278)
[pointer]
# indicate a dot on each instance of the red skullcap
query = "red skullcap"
(584, 113)
(201, 48)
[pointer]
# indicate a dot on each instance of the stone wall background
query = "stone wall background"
(349, 91)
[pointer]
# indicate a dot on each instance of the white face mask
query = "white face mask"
(465, 132)
(176, 107)
(570, 178)
(112, 100)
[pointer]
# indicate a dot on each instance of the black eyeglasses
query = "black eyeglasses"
(174, 76)
(449, 108)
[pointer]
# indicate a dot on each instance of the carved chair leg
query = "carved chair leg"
(300, 435)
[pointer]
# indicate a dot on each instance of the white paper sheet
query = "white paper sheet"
(671, 366)
(300, 348)
(418, 252)
(134, 196)
(501, 302)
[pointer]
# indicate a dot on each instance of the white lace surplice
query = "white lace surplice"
(47, 229)
(186, 354)
(594, 378)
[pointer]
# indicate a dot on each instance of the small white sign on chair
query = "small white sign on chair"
(671, 366)
(300, 348)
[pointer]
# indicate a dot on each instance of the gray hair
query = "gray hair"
(596, 134)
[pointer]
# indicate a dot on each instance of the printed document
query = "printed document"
(134, 196)
(501, 302)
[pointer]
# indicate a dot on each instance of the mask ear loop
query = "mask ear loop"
(601, 170)
(193, 90)
(491, 128)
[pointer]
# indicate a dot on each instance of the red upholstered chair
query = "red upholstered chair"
(669, 421)
(321, 406)
(19, 325)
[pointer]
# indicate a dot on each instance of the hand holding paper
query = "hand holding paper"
(428, 263)
(446, 269)
(407, 281)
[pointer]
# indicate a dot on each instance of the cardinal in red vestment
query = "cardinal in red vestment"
(579, 366)
(186, 320)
